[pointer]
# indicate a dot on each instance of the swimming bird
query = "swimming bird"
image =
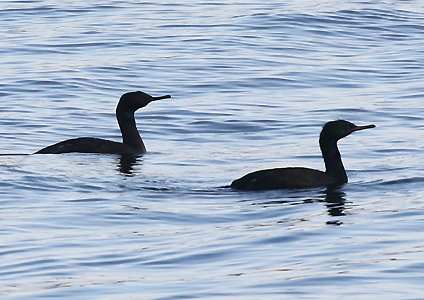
(282, 178)
(132, 142)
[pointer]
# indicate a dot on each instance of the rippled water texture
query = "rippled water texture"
(252, 83)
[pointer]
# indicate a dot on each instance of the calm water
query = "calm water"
(251, 83)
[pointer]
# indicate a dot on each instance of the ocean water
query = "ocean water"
(252, 83)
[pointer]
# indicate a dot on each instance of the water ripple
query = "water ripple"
(252, 84)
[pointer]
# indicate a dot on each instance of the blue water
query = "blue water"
(252, 83)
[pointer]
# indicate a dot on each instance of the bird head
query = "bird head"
(134, 100)
(335, 130)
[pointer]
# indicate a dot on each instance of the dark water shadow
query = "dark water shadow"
(335, 203)
(126, 163)
(332, 196)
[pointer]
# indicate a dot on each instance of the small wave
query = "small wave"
(403, 181)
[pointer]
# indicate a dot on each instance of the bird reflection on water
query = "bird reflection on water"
(126, 163)
(335, 203)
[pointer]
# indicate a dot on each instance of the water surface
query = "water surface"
(252, 84)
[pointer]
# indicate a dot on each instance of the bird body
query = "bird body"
(88, 145)
(283, 178)
(299, 177)
(132, 142)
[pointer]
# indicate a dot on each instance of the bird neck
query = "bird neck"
(332, 159)
(130, 135)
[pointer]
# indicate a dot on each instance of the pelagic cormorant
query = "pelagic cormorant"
(282, 178)
(132, 142)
